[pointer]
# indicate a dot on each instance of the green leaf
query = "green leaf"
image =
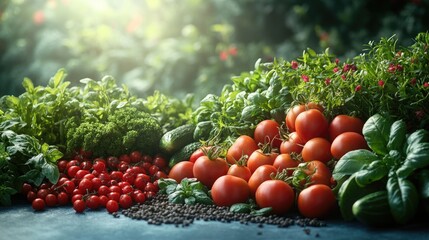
(423, 179)
(417, 153)
(177, 197)
(262, 212)
(352, 162)
(34, 176)
(397, 136)
(241, 208)
(403, 198)
(58, 78)
(202, 197)
(5, 195)
(51, 172)
(415, 138)
(376, 131)
(28, 85)
(371, 173)
(53, 155)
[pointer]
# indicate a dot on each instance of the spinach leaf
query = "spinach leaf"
(403, 198)
(423, 179)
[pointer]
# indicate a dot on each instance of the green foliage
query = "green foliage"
(125, 130)
(395, 163)
(185, 46)
(188, 191)
(24, 159)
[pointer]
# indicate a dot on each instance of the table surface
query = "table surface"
(20, 221)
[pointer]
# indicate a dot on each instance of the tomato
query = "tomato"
(207, 170)
(317, 149)
(240, 171)
(310, 124)
(268, 131)
(276, 194)
(291, 116)
(181, 170)
(346, 142)
(259, 158)
(228, 190)
(316, 171)
(260, 175)
(293, 144)
(198, 153)
(344, 123)
(284, 161)
(296, 110)
(243, 145)
(316, 201)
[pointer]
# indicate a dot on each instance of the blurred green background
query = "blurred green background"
(186, 46)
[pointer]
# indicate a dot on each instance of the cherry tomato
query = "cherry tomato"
(259, 158)
(317, 149)
(293, 144)
(79, 206)
(285, 161)
(346, 142)
(310, 124)
(276, 194)
(181, 170)
(261, 174)
(207, 170)
(135, 156)
(268, 131)
(38, 204)
(228, 190)
(316, 201)
(239, 171)
(112, 206)
(344, 123)
(51, 200)
(243, 145)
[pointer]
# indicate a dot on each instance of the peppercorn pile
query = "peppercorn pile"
(158, 210)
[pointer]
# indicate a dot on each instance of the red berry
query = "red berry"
(38, 204)
(112, 206)
(79, 205)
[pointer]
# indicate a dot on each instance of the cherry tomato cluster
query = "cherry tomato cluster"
(112, 183)
(279, 170)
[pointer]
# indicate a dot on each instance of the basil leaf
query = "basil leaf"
(191, 200)
(371, 173)
(417, 154)
(51, 172)
(202, 197)
(423, 179)
(352, 162)
(262, 212)
(403, 198)
(397, 136)
(241, 208)
(177, 197)
(376, 131)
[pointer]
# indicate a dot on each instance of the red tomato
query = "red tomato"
(310, 124)
(316, 201)
(181, 170)
(258, 158)
(207, 170)
(292, 114)
(344, 123)
(293, 144)
(317, 149)
(285, 161)
(260, 175)
(276, 194)
(243, 145)
(239, 171)
(317, 172)
(346, 142)
(228, 190)
(198, 153)
(268, 131)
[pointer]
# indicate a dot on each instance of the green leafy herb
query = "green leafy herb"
(395, 160)
(188, 191)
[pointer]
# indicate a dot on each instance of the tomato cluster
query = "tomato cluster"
(112, 183)
(277, 167)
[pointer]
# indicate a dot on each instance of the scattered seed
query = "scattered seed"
(159, 210)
